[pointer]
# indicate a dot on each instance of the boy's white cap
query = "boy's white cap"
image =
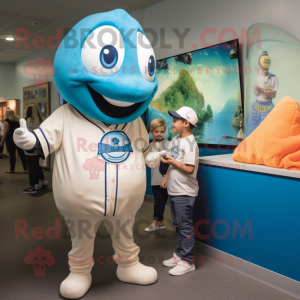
(186, 113)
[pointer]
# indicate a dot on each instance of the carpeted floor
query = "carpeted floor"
(210, 281)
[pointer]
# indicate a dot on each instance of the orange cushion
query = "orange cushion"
(276, 141)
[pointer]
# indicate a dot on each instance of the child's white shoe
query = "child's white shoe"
(182, 268)
(153, 228)
(172, 262)
(37, 186)
(44, 184)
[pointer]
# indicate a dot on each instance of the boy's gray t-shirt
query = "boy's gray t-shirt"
(156, 177)
(179, 182)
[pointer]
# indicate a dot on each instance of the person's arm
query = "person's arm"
(5, 133)
(271, 94)
(179, 165)
(164, 181)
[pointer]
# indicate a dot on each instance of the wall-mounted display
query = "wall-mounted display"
(42, 108)
(208, 80)
(33, 94)
(26, 95)
(272, 72)
(40, 96)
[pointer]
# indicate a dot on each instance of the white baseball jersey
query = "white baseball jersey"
(98, 168)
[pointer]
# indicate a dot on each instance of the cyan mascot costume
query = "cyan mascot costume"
(107, 76)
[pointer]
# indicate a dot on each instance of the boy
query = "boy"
(182, 187)
(158, 129)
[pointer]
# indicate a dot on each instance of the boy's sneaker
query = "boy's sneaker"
(182, 268)
(172, 262)
(153, 228)
(44, 184)
(37, 186)
(29, 191)
(162, 226)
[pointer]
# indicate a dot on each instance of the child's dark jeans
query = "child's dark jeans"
(182, 216)
(160, 199)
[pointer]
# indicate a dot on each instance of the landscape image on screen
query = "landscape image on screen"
(207, 80)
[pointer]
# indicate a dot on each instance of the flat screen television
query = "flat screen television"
(208, 80)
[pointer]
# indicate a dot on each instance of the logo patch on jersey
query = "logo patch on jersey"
(114, 147)
(175, 151)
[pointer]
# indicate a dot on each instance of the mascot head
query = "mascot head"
(105, 67)
(264, 61)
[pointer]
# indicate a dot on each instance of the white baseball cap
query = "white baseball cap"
(186, 113)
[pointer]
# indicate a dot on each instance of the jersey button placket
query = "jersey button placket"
(112, 189)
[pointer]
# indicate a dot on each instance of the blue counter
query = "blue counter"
(251, 212)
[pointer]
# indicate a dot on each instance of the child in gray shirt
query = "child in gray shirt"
(158, 129)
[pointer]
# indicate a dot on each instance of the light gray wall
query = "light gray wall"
(199, 15)
(139, 16)
(7, 81)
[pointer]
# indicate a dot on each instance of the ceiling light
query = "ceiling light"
(9, 38)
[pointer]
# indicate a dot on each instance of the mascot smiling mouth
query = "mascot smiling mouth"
(113, 108)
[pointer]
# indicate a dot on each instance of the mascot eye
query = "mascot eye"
(109, 56)
(151, 65)
(146, 57)
(103, 51)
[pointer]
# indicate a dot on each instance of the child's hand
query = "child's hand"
(164, 183)
(162, 159)
(170, 160)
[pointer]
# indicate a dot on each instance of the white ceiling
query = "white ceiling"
(50, 14)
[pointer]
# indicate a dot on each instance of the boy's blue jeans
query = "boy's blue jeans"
(182, 217)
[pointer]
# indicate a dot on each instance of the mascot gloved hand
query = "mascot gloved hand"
(23, 138)
(153, 158)
(105, 70)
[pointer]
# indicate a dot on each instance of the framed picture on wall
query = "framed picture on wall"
(40, 93)
(26, 95)
(33, 94)
(40, 97)
(42, 108)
